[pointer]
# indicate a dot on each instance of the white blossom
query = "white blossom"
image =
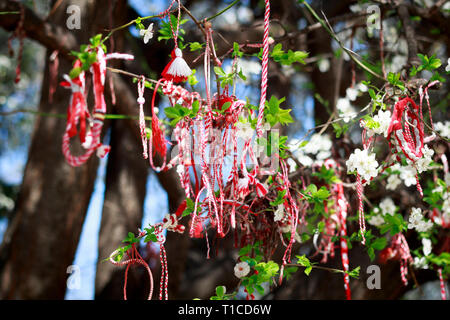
(318, 143)
(241, 269)
(362, 87)
(147, 34)
(324, 65)
(383, 118)
(424, 226)
(392, 182)
(387, 206)
(414, 218)
(376, 220)
(417, 221)
(443, 128)
(426, 246)
(423, 163)
(351, 93)
(346, 110)
(447, 68)
(279, 213)
(408, 175)
(245, 130)
(420, 263)
(364, 163)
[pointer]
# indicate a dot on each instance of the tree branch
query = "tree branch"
(50, 36)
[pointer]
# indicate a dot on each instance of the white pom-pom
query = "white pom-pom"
(179, 67)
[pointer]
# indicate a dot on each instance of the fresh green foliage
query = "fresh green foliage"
(165, 30)
(280, 198)
(316, 197)
(195, 46)
(179, 112)
(227, 79)
(192, 78)
(86, 55)
(340, 129)
(287, 58)
(274, 114)
(304, 261)
(394, 80)
(326, 175)
(394, 224)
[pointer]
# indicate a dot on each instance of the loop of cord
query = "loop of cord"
(128, 263)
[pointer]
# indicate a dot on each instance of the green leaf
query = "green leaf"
(75, 72)
(308, 270)
(219, 71)
(371, 253)
(245, 250)
(321, 226)
(194, 46)
(287, 58)
(260, 289)
(172, 112)
(220, 291)
(379, 243)
(355, 272)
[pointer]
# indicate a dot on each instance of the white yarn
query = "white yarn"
(179, 67)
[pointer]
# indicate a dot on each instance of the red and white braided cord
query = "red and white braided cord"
(265, 67)
(442, 285)
(342, 214)
(141, 101)
(163, 284)
(129, 262)
(362, 220)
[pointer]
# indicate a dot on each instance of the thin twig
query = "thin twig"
(130, 74)
(223, 10)
(62, 116)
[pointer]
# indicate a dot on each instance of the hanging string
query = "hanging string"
(20, 34)
(134, 259)
(164, 282)
(265, 66)
(141, 101)
(53, 74)
(362, 220)
(442, 285)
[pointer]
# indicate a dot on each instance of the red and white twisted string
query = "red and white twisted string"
(265, 67)
(361, 217)
(342, 205)
(442, 285)
(128, 263)
(141, 101)
(424, 93)
(98, 70)
(164, 282)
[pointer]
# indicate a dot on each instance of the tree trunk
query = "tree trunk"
(125, 184)
(42, 238)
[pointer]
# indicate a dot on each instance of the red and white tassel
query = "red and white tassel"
(177, 70)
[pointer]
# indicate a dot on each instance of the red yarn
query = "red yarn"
(158, 139)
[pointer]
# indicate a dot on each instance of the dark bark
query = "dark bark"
(42, 238)
(125, 183)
